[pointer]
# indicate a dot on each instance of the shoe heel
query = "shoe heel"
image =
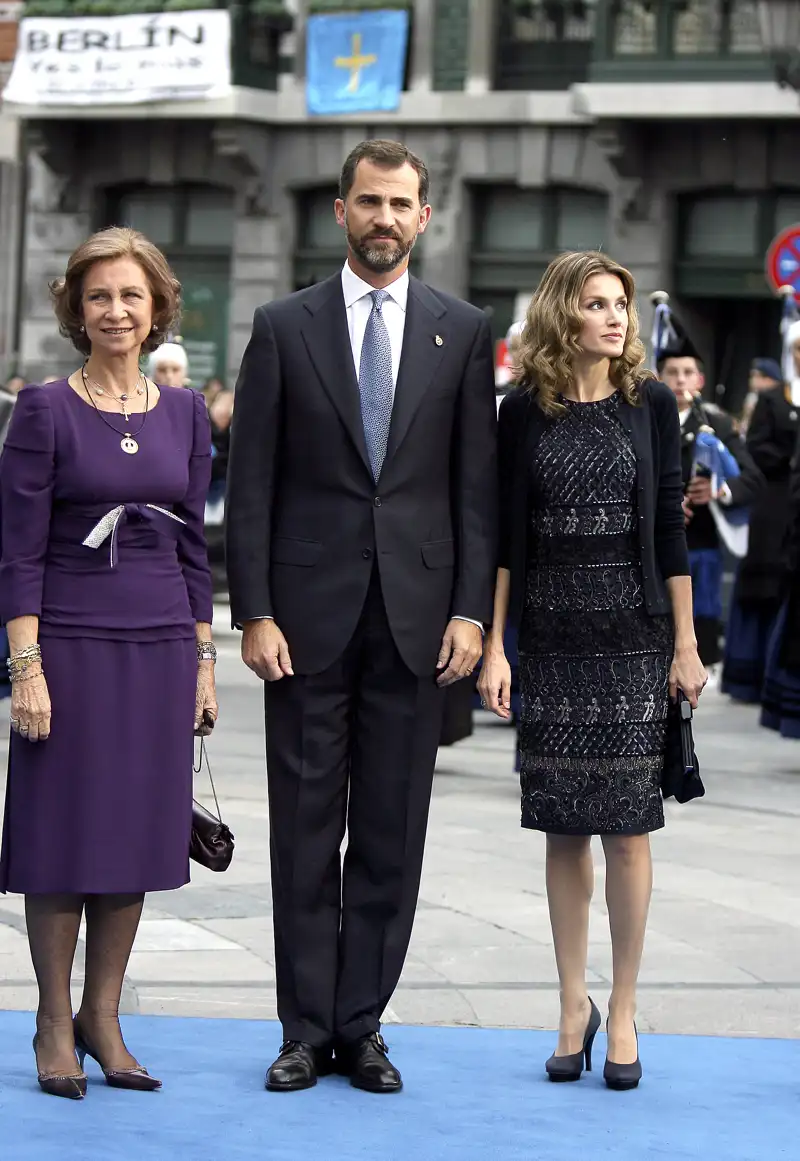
(81, 1054)
(588, 1051)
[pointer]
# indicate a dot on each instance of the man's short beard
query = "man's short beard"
(379, 260)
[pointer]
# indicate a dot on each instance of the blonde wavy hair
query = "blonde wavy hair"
(549, 342)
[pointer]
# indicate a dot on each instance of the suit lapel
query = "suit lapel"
(327, 338)
(420, 358)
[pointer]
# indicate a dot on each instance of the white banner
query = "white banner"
(121, 60)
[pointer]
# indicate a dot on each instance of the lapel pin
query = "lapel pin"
(439, 341)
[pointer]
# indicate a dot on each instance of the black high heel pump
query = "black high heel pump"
(622, 1077)
(564, 1068)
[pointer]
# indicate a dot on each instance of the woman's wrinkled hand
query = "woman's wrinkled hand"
(205, 706)
(30, 709)
(688, 674)
(494, 683)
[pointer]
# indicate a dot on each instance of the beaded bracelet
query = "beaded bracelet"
(23, 660)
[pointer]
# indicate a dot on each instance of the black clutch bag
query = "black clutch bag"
(681, 777)
(211, 843)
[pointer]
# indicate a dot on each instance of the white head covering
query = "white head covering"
(167, 352)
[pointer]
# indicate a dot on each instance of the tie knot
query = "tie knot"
(379, 298)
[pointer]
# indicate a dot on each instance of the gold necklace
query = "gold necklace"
(127, 443)
(122, 399)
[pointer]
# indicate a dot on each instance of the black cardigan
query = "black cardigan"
(655, 434)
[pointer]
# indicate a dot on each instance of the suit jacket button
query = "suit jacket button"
(367, 553)
(377, 501)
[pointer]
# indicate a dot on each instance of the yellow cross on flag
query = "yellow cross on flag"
(355, 62)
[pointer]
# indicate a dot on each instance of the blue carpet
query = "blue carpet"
(471, 1095)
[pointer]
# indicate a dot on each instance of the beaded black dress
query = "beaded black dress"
(594, 664)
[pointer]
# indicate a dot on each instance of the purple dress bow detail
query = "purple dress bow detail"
(109, 525)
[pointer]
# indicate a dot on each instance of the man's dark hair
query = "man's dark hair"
(664, 359)
(388, 155)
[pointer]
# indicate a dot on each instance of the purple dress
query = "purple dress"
(104, 805)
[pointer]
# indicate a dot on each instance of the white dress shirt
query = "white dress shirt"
(358, 306)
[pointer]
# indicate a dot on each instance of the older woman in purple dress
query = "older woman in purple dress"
(106, 594)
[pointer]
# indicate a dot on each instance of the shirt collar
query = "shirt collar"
(355, 288)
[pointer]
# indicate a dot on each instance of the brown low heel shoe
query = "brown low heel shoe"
(72, 1087)
(135, 1079)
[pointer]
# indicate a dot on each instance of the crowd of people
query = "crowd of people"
(385, 532)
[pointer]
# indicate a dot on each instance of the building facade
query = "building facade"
(654, 131)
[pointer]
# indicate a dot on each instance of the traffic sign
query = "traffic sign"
(783, 261)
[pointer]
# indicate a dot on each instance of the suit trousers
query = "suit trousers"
(349, 750)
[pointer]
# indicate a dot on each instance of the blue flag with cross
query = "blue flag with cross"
(356, 61)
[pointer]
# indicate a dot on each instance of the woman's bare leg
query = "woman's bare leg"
(629, 884)
(570, 883)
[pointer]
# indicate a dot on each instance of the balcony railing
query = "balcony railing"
(679, 39)
(544, 44)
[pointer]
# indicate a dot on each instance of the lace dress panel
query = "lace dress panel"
(593, 663)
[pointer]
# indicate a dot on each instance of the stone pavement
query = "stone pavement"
(723, 951)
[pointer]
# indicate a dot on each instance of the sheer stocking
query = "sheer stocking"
(111, 925)
(53, 923)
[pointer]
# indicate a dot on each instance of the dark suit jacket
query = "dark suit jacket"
(702, 531)
(771, 441)
(306, 524)
(655, 435)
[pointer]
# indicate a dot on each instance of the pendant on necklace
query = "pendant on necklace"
(129, 445)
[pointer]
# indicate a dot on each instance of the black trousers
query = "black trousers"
(350, 749)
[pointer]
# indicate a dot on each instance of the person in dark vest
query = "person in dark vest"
(361, 532)
(761, 579)
(780, 705)
(681, 368)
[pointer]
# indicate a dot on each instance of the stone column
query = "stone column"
(11, 194)
(421, 71)
(52, 232)
(255, 279)
(482, 23)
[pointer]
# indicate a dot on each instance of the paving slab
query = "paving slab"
(723, 951)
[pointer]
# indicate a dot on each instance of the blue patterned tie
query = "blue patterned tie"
(375, 384)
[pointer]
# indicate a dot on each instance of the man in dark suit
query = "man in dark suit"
(681, 369)
(361, 555)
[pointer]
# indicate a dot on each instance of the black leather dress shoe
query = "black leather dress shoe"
(298, 1066)
(366, 1063)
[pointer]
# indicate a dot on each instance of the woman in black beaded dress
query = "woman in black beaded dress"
(593, 568)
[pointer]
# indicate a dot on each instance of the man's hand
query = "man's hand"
(462, 646)
(699, 491)
(688, 511)
(264, 650)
